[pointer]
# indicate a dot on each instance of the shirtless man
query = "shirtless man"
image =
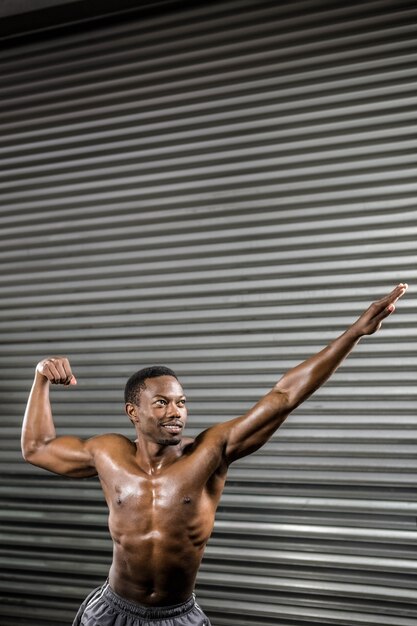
(162, 490)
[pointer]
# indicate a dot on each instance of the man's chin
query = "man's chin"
(172, 441)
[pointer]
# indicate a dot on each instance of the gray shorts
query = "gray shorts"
(103, 607)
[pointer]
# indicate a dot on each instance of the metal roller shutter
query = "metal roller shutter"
(222, 188)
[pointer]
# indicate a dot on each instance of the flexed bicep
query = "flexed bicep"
(67, 455)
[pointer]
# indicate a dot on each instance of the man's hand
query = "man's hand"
(370, 321)
(57, 370)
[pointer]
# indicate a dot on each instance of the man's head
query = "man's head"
(137, 382)
(155, 404)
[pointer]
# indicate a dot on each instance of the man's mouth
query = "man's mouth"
(173, 427)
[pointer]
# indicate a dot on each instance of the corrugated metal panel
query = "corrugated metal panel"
(221, 188)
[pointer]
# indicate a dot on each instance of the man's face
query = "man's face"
(161, 413)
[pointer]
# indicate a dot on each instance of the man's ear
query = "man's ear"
(131, 412)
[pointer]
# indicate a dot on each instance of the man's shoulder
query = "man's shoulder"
(210, 439)
(110, 441)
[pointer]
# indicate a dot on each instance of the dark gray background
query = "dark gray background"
(220, 187)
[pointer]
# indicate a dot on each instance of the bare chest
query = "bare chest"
(161, 502)
(153, 494)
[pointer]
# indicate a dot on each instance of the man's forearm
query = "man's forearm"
(301, 381)
(38, 426)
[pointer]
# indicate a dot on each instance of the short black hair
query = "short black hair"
(137, 381)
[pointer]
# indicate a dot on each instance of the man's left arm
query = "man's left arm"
(249, 432)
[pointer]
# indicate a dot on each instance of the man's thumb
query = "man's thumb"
(73, 380)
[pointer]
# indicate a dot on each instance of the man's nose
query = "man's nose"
(174, 410)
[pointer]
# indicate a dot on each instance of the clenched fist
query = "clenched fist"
(57, 370)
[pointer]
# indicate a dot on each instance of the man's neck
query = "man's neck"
(152, 457)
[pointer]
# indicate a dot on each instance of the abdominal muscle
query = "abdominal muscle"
(157, 553)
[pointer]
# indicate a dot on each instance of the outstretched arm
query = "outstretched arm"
(246, 434)
(40, 446)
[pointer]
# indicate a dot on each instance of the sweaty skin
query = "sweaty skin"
(162, 490)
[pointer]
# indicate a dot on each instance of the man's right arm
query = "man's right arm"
(66, 455)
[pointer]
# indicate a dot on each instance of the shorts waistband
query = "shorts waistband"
(138, 610)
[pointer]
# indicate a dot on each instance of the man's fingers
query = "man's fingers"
(370, 321)
(63, 376)
(66, 369)
(395, 294)
(373, 323)
(67, 372)
(52, 373)
(399, 291)
(402, 289)
(57, 370)
(385, 303)
(385, 312)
